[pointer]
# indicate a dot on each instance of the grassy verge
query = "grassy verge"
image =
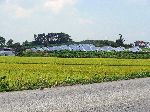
(43, 83)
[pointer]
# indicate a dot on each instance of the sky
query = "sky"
(81, 19)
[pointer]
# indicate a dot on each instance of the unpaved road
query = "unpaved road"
(121, 96)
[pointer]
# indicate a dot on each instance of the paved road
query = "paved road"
(121, 96)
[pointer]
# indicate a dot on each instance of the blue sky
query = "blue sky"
(82, 19)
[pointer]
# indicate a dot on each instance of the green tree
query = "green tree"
(17, 47)
(2, 41)
(10, 43)
(120, 41)
(51, 38)
(26, 44)
(99, 43)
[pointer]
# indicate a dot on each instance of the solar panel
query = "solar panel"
(106, 48)
(135, 49)
(119, 49)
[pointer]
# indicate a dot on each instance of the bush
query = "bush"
(4, 86)
(90, 54)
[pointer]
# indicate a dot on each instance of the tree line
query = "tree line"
(100, 43)
(52, 39)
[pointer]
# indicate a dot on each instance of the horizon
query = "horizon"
(77, 41)
(82, 20)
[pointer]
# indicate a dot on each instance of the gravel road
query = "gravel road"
(120, 96)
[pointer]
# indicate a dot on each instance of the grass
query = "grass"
(22, 73)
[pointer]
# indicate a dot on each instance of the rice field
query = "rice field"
(22, 73)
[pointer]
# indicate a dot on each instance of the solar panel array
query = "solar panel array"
(135, 49)
(85, 47)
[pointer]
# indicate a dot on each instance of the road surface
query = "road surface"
(119, 96)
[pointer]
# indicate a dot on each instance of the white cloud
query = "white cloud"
(18, 11)
(86, 21)
(21, 12)
(57, 5)
(25, 8)
(15, 9)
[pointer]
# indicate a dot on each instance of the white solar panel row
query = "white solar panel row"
(85, 47)
(135, 49)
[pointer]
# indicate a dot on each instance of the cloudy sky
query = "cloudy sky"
(82, 19)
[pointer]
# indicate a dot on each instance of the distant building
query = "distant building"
(142, 44)
(6, 52)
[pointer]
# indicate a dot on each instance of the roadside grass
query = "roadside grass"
(28, 73)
